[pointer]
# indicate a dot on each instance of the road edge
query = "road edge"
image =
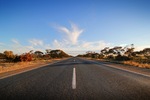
(13, 73)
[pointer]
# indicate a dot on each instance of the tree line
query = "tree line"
(9, 56)
(119, 53)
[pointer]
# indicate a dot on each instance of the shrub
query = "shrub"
(110, 57)
(17, 59)
(26, 57)
(122, 58)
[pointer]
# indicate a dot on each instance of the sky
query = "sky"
(74, 26)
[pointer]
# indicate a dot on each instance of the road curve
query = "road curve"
(92, 81)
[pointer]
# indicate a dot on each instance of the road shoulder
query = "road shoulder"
(27, 68)
(129, 68)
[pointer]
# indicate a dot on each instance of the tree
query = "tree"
(146, 51)
(48, 51)
(129, 52)
(38, 53)
(117, 50)
(105, 51)
(58, 54)
(9, 55)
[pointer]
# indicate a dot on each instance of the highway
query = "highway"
(76, 79)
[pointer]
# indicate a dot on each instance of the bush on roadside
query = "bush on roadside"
(17, 59)
(137, 64)
(26, 57)
(122, 58)
(110, 57)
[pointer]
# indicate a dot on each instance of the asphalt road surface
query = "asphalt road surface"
(76, 79)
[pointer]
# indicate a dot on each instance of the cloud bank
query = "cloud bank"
(70, 43)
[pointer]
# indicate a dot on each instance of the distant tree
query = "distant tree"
(80, 55)
(9, 55)
(129, 52)
(31, 51)
(146, 51)
(122, 58)
(58, 54)
(105, 51)
(117, 50)
(89, 54)
(48, 51)
(111, 51)
(38, 53)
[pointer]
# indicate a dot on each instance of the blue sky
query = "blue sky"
(74, 26)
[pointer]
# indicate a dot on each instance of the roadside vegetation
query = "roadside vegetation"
(124, 55)
(9, 61)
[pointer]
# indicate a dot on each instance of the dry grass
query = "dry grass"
(5, 67)
(133, 63)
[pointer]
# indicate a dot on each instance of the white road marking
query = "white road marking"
(74, 79)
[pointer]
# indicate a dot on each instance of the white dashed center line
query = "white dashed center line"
(74, 79)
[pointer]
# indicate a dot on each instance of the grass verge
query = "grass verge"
(6, 67)
(133, 63)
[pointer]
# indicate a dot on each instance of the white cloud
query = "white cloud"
(81, 47)
(70, 43)
(15, 41)
(71, 34)
(72, 49)
(56, 44)
(73, 45)
(18, 48)
(36, 42)
(96, 45)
